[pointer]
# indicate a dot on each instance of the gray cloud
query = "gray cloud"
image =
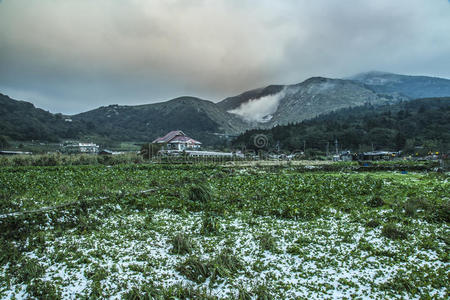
(75, 55)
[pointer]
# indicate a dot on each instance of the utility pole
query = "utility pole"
(372, 147)
(304, 147)
(328, 146)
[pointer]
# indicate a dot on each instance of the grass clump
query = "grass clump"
(412, 205)
(267, 242)
(200, 193)
(149, 291)
(375, 201)
(210, 224)
(28, 269)
(393, 232)
(374, 223)
(195, 269)
(181, 244)
(43, 290)
(226, 264)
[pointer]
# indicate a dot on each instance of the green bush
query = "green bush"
(43, 290)
(200, 193)
(181, 244)
(391, 231)
(267, 242)
(226, 264)
(210, 223)
(375, 201)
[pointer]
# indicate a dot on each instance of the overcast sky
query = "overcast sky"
(74, 55)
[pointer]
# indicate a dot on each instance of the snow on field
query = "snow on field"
(330, 257)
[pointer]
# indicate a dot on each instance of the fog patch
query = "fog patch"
(259, 110)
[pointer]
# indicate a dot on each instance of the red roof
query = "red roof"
(176, 136)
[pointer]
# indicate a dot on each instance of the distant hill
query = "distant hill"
(413, 87)
(399, 126)
(20, 120)
(196, 117)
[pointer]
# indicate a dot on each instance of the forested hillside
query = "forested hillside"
(405, 126)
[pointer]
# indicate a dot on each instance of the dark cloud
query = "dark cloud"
(75, 55)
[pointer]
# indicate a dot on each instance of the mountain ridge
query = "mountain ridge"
(263, 107)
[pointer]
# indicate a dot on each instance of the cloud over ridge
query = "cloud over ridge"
(79, 54)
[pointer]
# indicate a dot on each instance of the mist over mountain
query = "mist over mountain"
(315, 96)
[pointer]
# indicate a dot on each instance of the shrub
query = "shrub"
(391, 231)
(28, 269)
(210, 224)
(413, 204)
(197, 270)
(373, 223)
(267, 242)
(43, 290)
(181, 244)
(200, 193)
(375, 201)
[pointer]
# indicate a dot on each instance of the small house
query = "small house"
(178, 140)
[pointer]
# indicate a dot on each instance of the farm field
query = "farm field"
(140, 231)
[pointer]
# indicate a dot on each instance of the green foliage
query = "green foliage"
(267, 242)
(27, 269)
(45, 290)
(223, 265)
(69, 160)
(375, 201)
(210, 223)
(181, 244)
(200, 193)
(149, 291)
(393, 232)
(313, 212)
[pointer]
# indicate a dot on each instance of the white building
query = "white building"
(86, 148)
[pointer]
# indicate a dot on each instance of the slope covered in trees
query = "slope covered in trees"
(422, 124)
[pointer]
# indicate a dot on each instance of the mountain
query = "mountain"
(277, 105)
(199, 118)
(320, 95)
(413, 87)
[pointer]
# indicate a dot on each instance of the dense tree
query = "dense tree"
(3, 142)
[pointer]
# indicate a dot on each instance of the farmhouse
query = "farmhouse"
(177, 140)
